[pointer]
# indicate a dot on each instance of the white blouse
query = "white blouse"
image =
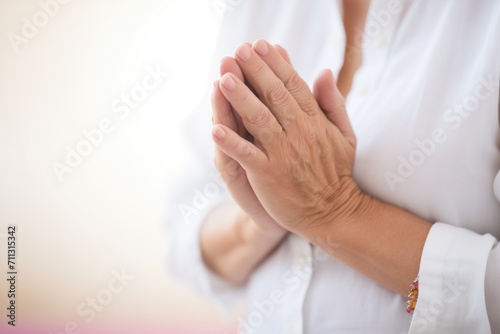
(424, 106)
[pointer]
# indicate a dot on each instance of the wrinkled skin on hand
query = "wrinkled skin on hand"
(298, 165)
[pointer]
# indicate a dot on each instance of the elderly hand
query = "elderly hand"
(299, 163)
(231, 171)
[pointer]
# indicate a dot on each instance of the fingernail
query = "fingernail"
(261, 47)
(216, 83)
(219, 132)
(228, 82)
(244, 53)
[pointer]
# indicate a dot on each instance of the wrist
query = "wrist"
(250, 231)
(336, 217)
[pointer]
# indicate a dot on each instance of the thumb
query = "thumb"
(332, 102)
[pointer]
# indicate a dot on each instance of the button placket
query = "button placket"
(301, 266)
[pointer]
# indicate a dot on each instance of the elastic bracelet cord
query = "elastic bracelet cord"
(412, 297)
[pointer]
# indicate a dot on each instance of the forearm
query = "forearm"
(306, 185)
(232, 245)
(380, 240)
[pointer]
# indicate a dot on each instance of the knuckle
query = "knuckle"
(294, 82)
(311, 108)
(259, 70)
(247, 153)
(277, 94)
(261, 117)
(230, 172)
(265, 135)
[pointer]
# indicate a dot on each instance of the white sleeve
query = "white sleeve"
(458, 284)
(194, 196)
(491, 289)
(197, 193)
(452, 282)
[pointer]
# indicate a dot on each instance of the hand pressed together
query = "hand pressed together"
(285, 153)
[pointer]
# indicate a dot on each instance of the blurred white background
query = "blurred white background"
(108, 213)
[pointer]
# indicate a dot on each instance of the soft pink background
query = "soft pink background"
(109, 212)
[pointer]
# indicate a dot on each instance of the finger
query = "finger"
(283, 53)
(236, 181)
(229, 169)
(241, 191)
(287, 74)
(222, 112)
(229, 65)
(269, 88)
(332, 102)
(241, 150)
(231, 172)
(256, 117)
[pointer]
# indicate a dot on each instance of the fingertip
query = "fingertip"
(282, 51)
(220, 106)
(216, 92)
(218, 132)
(226, 59)
(229, 64)
(324, 81)
(224, 63)
(227, 81)
(327, 73)
(261, 47)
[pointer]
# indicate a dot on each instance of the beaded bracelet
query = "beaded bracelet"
(412, 297)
